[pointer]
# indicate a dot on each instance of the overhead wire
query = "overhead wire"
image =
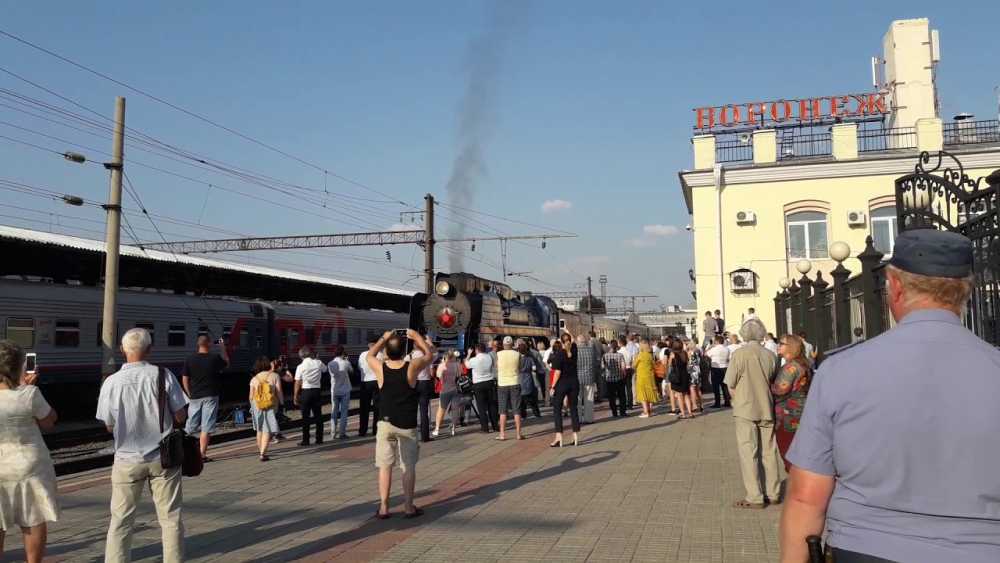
(200, 117)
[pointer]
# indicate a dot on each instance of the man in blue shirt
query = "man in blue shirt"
(890, 457)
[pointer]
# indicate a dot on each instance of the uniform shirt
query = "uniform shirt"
(340, 375)
(425, 374)
(915, 466)
(128, 403)
(748, 377)
(310, 373)
(719, 355)
(481, 366)
(508, 362)
(366, 370)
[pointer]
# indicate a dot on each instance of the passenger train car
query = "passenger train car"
(465, 310)
(62, 325)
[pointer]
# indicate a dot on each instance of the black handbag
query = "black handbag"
(176, 448)
(464, 384)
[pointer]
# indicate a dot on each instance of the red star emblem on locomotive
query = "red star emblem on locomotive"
(446, 318)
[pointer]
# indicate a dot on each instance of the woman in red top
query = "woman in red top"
(789, 389)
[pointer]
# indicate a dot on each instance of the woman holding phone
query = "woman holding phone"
(27, 476)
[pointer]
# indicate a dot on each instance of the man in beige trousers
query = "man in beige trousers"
(748, 377)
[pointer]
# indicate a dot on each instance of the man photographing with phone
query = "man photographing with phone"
(396, 435)
(202, 381)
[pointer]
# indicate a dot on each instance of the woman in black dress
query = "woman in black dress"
(680, 378)
(565, 387)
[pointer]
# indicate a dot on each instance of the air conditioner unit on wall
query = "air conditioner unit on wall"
(743, 281)
(856, 218)
(746, 217)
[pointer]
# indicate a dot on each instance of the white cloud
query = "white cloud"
(554, 205)
(641, 242)
(660, 230)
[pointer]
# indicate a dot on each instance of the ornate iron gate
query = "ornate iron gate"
(940, 195)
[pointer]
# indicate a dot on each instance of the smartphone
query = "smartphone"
(30, 362)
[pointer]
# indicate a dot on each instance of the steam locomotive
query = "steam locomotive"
(466, 310)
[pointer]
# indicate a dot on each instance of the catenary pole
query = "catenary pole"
(429, 244)
(112, 239)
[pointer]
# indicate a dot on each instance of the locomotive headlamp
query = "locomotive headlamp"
(442, 288)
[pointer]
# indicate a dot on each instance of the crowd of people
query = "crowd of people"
(854, 471)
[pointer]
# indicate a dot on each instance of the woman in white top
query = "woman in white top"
(264, 387)
(27, 476)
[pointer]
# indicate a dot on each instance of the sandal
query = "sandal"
(417, 512)
(380, 516)
(500, 439)
(746, 504)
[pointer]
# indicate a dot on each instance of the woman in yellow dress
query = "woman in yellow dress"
(645, 382)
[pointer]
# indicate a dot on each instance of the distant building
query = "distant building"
(672, 320)
(776, 183)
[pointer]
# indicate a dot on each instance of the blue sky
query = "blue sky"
(590, 104)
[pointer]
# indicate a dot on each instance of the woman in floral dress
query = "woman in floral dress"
(789, 389)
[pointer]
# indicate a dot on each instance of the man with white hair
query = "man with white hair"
(912, 478)
(748, 377)
(587, 362)
(140, 404)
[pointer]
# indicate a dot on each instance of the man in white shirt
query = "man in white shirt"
(340, 392)
(484, 387)
(718, 353)
(369, 392)
(130, 408)
(751, 315)
(425, 390)
(770, 344)
(625, 349)
(308, 379)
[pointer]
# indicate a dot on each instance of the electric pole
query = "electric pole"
(590, 302)
(112, 239)
(429, 244)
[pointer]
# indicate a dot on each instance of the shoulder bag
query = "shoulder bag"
(176, 448)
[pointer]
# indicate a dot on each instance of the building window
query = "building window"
(150, 328)
(22, 332)
(176, 335)
(884, 229)
(807, 235)
(67, 334)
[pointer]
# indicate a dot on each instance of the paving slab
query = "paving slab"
(657, 489)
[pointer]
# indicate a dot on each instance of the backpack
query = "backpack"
(263, 396)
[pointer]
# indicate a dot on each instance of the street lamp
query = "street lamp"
(839, 251)
(784, 283)
(803, 266)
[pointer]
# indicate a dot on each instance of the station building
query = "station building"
(776, 183)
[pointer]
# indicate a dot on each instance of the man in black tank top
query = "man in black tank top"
(396, 435)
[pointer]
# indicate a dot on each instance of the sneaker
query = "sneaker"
(434, 434)
(452, 430)
(643, 415)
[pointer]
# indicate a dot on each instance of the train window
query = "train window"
(326, 336)
(67, 334)
(202, 330)
(150, 328)
(358, 338)
(176, 335)
(227, 331)
(293, 340)
(258, 340)
(21, 331)
(244, 338)
(341, 335)
(372, 335)
(310, 336)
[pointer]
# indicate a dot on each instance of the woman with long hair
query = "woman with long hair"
(449, 400)
(565, 388)
(680, 379)
(694, 370)
(789, 389)
(265, 396)
(645, 381)
(27, 476)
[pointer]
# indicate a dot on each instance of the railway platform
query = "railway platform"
(657, 489)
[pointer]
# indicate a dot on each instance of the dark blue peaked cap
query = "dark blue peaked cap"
(930, 252)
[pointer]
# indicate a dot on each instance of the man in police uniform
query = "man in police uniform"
(892, 456)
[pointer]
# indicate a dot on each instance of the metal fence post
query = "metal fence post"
(805, 292)
(823, 315)
(841, 306)
(792, 303)
(870, 258)
(779, 313)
